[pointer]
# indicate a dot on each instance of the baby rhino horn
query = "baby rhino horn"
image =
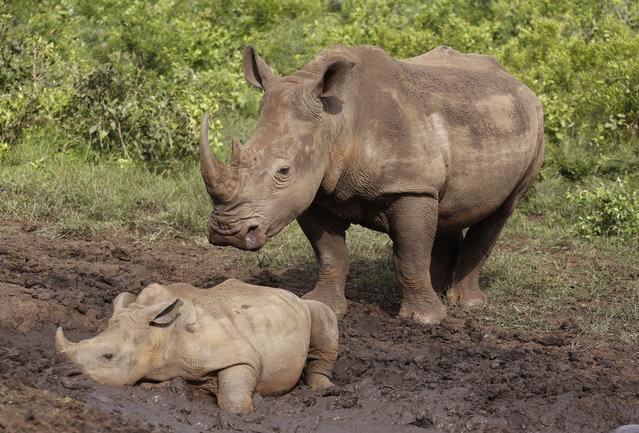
(61, 342)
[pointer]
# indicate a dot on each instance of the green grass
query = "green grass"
(82, 197)
(541, 275)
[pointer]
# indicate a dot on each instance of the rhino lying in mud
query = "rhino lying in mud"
(231, 340)
(418, 148)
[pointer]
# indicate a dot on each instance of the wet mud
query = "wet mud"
(466, 375)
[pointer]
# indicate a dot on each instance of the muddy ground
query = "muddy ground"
(393, 376)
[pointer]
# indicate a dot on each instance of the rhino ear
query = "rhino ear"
(334, 76)
(122, 301)
(160, 314)
(256, 71)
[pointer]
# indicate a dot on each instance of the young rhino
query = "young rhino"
(233, 339)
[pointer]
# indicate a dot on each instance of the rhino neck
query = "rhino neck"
(163, 354)
(339, 148)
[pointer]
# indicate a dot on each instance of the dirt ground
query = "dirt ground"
(393, 376)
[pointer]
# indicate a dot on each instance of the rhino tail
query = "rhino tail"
(322, 352)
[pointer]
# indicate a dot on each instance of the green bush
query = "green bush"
(611, 209)
(132, 79)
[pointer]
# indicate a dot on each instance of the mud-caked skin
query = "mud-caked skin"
(233, 340)
(418, 148)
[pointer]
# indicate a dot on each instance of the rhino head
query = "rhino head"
(275, 176)
(129, 349)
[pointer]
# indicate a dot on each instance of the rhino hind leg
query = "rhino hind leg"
(475, 249)
(443, 260)
(328, 239)
(481, 237)
(322, 351)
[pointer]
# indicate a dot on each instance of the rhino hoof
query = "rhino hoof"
(318, 381)
(467, 298)
(424, 318)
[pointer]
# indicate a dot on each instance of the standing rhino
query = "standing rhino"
(418, 148)
(232, 340)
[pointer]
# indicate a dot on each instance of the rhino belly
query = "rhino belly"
(282, 365)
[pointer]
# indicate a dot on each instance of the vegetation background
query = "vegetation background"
(100, 104)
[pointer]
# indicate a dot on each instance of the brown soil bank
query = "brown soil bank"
(463, 376)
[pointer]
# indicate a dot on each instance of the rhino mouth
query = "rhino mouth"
(251, 239)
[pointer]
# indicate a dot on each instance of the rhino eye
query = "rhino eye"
(283, 171)
(107, 356)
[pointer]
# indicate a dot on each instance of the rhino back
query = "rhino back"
(451, 125)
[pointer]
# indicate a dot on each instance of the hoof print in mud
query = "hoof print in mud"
(231, 340)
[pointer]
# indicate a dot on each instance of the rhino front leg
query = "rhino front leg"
(413, 223)
(322, 351)
(235, 386)
(327, 236)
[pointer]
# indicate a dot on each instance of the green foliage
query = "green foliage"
(120, 78)
(609, 209)
(132, 79)
(581, 67)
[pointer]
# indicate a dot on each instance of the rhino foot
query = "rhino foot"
(465, 297)
(318, 381)
(337, 303)
(423, 317)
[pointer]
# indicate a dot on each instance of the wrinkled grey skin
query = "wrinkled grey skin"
(418, 148)
(232, 340)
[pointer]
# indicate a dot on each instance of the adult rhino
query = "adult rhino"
(418, 148)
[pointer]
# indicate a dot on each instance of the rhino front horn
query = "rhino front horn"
(220, 179)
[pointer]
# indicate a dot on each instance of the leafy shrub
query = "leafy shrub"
(130, 81)
(607, 210)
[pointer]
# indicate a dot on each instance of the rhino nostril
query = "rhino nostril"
(250, 236)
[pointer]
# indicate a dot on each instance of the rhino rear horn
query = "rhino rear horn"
(220, 179)
(238, 156)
